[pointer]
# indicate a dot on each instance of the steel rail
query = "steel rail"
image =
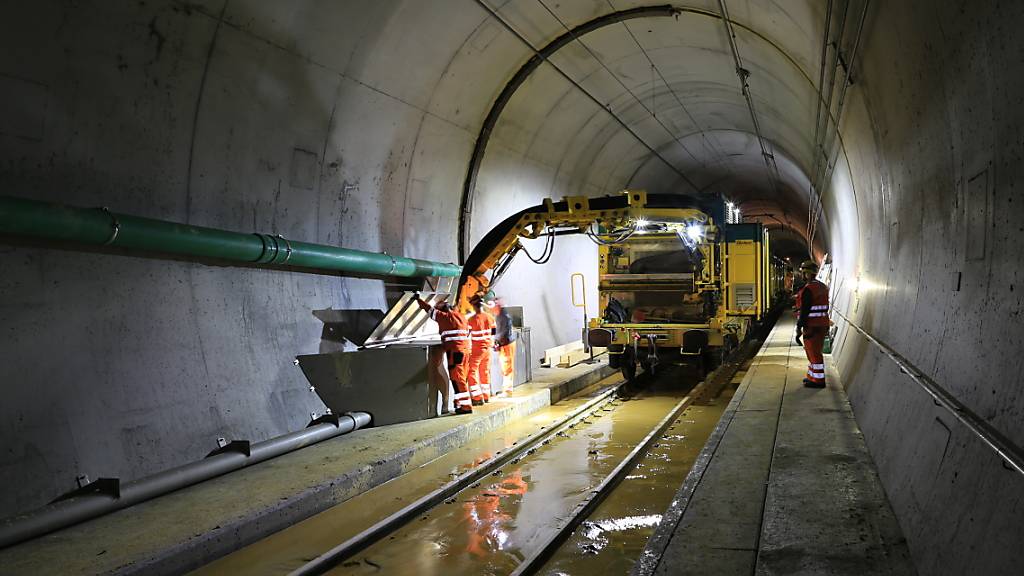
(381, 529)
(1011, 454)
(536, 561)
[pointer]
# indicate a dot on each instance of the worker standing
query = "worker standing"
(505, 344)
(481, 332)
(812, 323)
(454, 330)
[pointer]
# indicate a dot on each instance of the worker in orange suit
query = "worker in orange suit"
(481, 332)
(812, 323)
(505, 344)
(454, 330)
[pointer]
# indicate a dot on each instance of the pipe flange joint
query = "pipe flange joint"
(270, 248)
(114, 224)
(287, 249)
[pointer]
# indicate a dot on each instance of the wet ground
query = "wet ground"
(490, 527)
(613, 537)
(289, 549)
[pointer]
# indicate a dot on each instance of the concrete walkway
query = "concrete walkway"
(785, 485)
(195, 525)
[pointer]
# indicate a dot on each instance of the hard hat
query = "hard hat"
(484, 299)
(808, 266)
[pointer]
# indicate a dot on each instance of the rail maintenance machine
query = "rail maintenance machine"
(677, 283)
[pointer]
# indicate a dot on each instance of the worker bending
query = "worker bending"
(812, 323)
(481, 332)
(454, 330)
(505, 344)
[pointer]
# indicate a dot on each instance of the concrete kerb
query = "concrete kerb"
(658, 542)
(207, 536)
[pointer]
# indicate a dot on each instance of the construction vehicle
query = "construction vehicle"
(679, 281)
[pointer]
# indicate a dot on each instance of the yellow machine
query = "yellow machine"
(676, 283)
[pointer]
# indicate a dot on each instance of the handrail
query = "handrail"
(1007, 450)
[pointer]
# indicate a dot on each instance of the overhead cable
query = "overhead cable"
(769, 159)
(717, 146)
(831, 162)
(578, 86)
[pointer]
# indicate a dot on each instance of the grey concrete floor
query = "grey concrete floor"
(786, 487)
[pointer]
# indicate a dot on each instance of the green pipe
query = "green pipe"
(100, 227)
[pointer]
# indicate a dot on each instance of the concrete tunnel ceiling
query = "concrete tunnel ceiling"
(675, 118)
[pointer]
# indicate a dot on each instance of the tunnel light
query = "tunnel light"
(860, 285)
(730, 205)
(695, 232)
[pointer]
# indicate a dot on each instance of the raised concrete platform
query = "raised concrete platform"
(188, 528)
(784, 486)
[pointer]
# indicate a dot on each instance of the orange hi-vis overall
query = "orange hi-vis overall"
(504, 339)
(812, 311)
(481, 332)
(454, 330)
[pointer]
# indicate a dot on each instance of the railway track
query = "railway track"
(486, 496)
(575, 489)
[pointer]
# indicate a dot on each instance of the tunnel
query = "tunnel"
(880, 139)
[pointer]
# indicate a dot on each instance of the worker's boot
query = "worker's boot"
(808, 383)
(461, 410)
(478, 402)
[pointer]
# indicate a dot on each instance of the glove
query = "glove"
(798, 341)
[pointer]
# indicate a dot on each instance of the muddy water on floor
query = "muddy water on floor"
(290, 548)
(490, 528)
(613, 537)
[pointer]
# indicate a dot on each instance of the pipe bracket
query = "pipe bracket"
(287, 248)
(115, 225)
(238, 446)
(102, 486)
(327, 419)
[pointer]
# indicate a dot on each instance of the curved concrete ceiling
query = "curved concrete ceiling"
(672, 82)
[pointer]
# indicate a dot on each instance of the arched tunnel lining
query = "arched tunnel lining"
(542, 57)
(353, 127)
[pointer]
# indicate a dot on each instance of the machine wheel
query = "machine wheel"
(628, 362)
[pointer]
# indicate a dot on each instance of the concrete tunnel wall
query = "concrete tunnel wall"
(352, 123)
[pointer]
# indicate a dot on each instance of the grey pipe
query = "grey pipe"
(64, 513)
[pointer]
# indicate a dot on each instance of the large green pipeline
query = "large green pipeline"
(100, 227)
